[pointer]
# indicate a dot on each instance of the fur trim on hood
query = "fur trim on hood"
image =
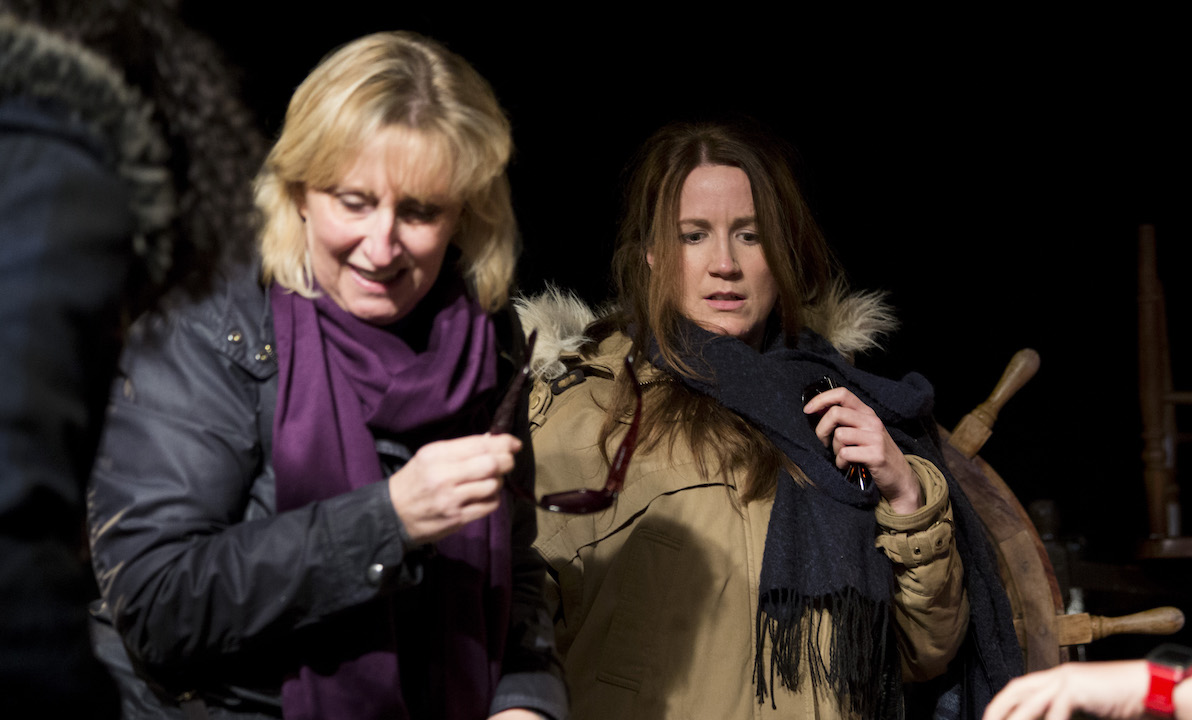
(48, 71)
(560, 318)
(854, 322)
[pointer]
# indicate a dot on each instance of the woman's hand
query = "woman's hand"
(450, 483)
(1114, 690)
(855, 434)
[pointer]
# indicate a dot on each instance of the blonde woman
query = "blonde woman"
(297, 511)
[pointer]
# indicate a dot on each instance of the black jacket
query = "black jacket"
(211, 590)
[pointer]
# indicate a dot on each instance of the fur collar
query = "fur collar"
(44, 73)
(854, 322)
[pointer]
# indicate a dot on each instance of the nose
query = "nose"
(382, 243)
(724, 259)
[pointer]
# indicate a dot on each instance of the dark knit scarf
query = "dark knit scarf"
(820, 563)
(343, 382)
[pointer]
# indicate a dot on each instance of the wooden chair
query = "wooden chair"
(1158, 402)
(1044, 630)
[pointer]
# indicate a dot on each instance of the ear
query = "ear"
(650, 258)
(298, 197)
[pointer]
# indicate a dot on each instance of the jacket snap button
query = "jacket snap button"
(235, 336)
(374, 574)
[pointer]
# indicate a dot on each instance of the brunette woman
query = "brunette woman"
(782, 541)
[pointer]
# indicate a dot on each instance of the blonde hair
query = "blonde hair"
(405, 81)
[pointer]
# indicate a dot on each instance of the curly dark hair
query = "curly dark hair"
(215, 144)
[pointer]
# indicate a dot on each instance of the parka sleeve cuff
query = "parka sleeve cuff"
(927, 534)
(935, 500)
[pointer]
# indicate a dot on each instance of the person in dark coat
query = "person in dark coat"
(298, 508)
(108, 173)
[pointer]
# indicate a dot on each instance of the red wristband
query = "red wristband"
(1168, 665)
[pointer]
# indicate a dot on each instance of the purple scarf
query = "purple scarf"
(340, 380)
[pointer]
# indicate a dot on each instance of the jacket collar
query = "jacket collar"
(853, 322)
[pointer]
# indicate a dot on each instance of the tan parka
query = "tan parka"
(656, 597)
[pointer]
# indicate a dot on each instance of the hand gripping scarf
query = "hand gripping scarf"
(820, 563)
(341, 382)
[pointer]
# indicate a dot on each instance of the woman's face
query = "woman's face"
(727, 287)
(376, 242)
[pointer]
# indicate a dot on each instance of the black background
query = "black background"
(988, 170)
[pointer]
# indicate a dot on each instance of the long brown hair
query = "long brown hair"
(649, 299)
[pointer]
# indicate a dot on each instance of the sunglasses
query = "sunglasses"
(582, 500)
(857, 474)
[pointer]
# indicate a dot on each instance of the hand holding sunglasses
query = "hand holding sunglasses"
(856, 474)
(855, 430)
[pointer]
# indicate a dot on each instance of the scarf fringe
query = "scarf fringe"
(857, 665)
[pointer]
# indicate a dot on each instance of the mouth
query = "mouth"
(384, 276)
(725, 300)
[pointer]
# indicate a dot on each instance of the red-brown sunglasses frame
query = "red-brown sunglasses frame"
(582, 500)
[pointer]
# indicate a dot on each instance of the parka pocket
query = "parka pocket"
(650, 563)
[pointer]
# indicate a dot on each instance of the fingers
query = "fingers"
(840, 408)
(1044, 695)
(1113, 690)
(856, 445)
(1023, 701)
(1024, 697)
(857, 436)
(470, 459)
(472, 512)
(470, 446)
(849, 427)
(449, 483)
(835, 396)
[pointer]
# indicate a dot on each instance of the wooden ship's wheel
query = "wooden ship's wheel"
(1045, 630)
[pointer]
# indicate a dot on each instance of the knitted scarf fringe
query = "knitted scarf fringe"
(858, 665)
